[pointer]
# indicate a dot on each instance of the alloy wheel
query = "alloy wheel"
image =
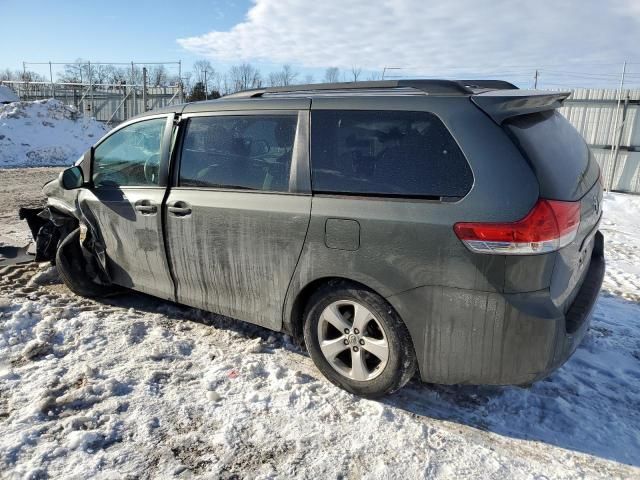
(352, 340)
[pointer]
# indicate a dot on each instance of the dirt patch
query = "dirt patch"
(20, 187)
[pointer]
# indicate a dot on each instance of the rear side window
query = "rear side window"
(238, 152)
(557, 153)
(386, 153)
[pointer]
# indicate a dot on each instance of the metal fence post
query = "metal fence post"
(616, 147)
(91, 105)
(53, 86)
(125, 110)
(615, 125)
(134, 105)
(144, 89)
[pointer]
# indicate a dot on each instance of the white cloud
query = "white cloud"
(440, 37)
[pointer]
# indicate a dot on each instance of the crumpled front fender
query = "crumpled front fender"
(62, 214)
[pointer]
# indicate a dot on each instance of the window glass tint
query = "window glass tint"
(241, 152)
(386, 153)
(130, 157)
(558, 154)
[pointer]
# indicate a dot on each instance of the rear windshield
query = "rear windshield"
(559, 156)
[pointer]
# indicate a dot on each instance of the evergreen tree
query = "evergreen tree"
(197, 92)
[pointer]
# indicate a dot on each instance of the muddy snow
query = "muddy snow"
(45, 133)
(135, 387)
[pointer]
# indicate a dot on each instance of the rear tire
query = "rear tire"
(72, 267)
(357, 340)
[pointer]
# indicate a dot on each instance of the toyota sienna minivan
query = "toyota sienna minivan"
(448, 227)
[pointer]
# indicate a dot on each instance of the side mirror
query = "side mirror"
(72, 178)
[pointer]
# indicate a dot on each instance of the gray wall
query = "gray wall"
(593, 112)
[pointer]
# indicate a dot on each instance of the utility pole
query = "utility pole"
(180, 81)
(535, 80)
(615, 139)
(206, 95)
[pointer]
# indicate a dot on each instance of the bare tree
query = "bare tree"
(30, 76)
(355, 72)
(244, 77)
(158, 76)
(374, 76)
(199, 68)
(187, 80)
(309, 79)
(116, 75)
(332, 75)
(8, 75)
(74, 72)
(225, 84)
(203, 72)
(135, 75)
(282, 78)
(98, 73)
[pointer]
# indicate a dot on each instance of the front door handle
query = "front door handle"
(145, 207)
(179, 209)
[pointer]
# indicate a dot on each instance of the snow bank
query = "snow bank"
(7, 95)
(139, 388)
(621, 228)
(44, 133)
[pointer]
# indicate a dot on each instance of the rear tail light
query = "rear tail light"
(549, 226)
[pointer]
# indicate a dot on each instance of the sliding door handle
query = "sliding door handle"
(145, 207)
(179, 209)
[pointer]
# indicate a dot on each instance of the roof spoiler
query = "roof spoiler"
(503, 104)
(489, 84)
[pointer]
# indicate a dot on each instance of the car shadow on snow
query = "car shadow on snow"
(589, 405)
(178, 312)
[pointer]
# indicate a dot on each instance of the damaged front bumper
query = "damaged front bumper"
(47, 227)
(50, 227)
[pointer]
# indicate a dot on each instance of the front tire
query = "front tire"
(357, 340)
(73, 268)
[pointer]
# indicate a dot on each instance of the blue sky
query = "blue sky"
(571, 42)
(111, 31)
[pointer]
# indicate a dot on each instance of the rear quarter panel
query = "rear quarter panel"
(408, 243)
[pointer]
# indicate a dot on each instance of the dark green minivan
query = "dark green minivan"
(448, 227)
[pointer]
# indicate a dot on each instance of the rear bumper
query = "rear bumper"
(578, 317)
(470, 337)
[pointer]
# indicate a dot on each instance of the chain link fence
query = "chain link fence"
(110, 103)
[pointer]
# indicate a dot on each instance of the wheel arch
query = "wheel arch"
(295, 305)
(297, 302)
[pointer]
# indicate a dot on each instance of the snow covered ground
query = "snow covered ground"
(44, 133)
(137, 387)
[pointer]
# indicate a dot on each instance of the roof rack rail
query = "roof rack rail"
(431, 87)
